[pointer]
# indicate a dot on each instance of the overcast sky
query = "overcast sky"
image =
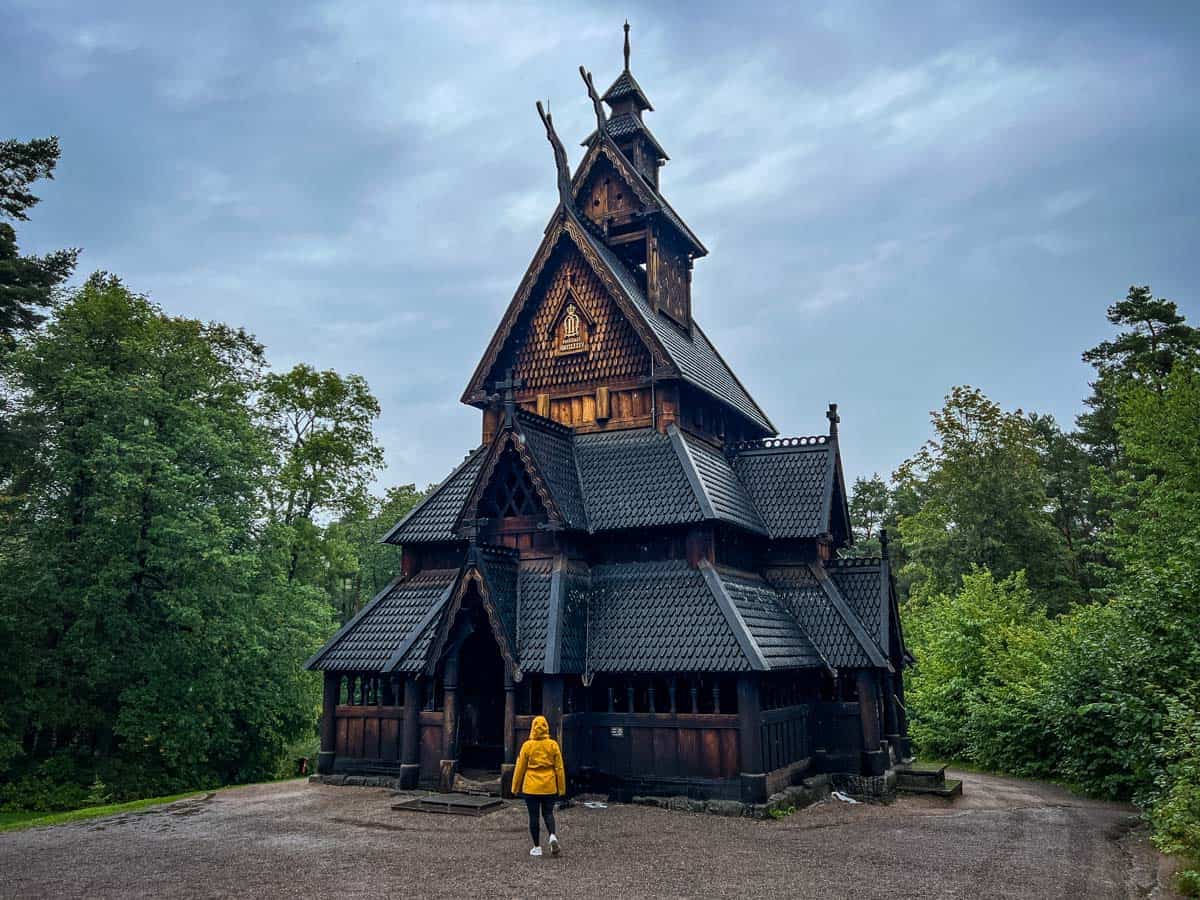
(896, 197)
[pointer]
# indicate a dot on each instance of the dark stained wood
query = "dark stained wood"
(749, 725)
(328, 750)
(868, 708)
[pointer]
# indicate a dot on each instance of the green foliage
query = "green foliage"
(150, 643)
(982, 651)
(359, 566)
(1175, 813)
(980, 500)
(870, 506)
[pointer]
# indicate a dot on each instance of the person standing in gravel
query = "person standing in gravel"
(540, 779)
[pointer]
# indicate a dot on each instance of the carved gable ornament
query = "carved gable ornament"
(572, 327)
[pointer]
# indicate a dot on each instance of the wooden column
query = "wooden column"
(552, 704)
(449, 762)
(410, 738)
(333, 684)
(510, 718)
(750, 755)
(874, 761)
(510, 735)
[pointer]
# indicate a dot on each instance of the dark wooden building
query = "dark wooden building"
(630, 551)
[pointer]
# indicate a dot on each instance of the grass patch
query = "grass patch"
(13, 821)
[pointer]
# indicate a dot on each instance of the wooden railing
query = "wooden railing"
(785, 736)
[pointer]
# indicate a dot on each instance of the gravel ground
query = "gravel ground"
(1005, 838)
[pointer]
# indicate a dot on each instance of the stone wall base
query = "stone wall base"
(794, 797)
(375, 781)
(869, 787)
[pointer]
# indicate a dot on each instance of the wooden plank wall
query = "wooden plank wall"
(669, 746)
(431, 744)
(368, 732)
(838, 728)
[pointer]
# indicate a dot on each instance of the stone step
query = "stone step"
(920, 775)
(949, 788)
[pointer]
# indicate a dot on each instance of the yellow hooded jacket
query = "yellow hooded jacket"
(540, 766)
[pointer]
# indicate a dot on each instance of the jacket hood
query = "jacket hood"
(540, 730)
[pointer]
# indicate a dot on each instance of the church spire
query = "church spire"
(626, 45)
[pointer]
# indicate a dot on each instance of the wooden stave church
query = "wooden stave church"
(630, 551)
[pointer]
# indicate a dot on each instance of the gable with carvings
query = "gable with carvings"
(606, 195)
(571, 334)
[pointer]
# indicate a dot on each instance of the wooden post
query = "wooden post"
(552, 704)
(510, 735)
(750, 755)
(874, 761)
(410, 740)
(449, 761)
(510, 719)
(325, 758)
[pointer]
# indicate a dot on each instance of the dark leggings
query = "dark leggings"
(543, 803)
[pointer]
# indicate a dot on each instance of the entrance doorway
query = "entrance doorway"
(481, 693)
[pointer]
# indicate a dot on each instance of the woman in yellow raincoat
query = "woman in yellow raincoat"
(540, 779)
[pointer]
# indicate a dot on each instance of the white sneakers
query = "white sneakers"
(537, 851)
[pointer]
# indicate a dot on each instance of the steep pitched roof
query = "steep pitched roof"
(791, 481)
(634, 479)
(367, 641)
(825, 616)
(690, 352)
(433, 518)
(864, 585)
(658, 617)
(626, 86)
(534, 582)
(552, 446)
(722, 496)
(680, 352)
(781, 641)
(625, 125)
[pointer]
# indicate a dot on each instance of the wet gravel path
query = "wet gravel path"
(1005, 838)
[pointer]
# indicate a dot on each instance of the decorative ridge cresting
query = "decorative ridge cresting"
(778, 443)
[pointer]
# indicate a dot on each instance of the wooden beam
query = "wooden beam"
(410, 736)
(325, 758)
(750, 755)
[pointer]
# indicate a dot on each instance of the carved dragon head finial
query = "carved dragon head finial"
(560, 157)
(597, 105)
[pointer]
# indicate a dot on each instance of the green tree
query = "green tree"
(978, 500)
(870, 506)
(30, 286)
(145, 644)
(324, 456)
(982, 654)
(359, 565)
(1155, 336)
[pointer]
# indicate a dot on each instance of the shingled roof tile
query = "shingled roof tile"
(791, 483)
(780, 639)
(432, 519)
(804, 597)
(658, 617)
(367, 641)
(634, 479)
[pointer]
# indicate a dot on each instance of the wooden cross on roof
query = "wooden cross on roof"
(509, 385)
